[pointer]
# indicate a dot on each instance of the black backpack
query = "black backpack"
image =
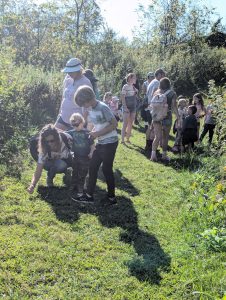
(33, 145)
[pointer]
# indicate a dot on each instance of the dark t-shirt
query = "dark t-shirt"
(190, 122)
(81, 142)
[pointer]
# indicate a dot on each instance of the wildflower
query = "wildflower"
(219, 187)
(194, 185)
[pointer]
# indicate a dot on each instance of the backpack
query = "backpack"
(33, 145)
(159, 106)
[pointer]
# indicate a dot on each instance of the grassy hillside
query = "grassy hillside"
(144, 247)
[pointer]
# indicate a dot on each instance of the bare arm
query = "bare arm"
(35, 178)
(125, 109)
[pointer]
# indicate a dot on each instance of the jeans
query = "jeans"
(210, 128)
(54, 166)
(80, 171)
(104, 154)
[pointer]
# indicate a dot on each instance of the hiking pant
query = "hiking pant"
(104, 154)
(54, 166)
(210, 128)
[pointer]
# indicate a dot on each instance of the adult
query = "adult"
(162, 128)
(90, 75)
(151, 89)
(137, 87)
(72, 81)
(53, 155)
(129, 99)
(145, 112)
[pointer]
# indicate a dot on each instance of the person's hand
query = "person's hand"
(94, 134)
(90, 155)
(31, 189)
(125, 109)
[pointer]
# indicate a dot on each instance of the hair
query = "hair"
(83, 95)
(107, 95)
(47, 130)
(164, 84)
(182, 101)
(150, 75)
(199, 97)
(130, 75)
(77, 119)
(193, 109)
(160, 72)
(180, 97)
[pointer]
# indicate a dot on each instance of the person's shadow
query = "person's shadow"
(150, 259)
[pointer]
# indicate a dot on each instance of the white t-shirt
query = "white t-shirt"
(152, 87)
(68, 106)
(128, 90)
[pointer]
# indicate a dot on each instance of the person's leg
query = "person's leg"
(83, 168)
(130, 125)
(124, 125)
(165, 140)
(108, 155)
(211, 132)
(158, 134)
(94, 166)
(53, 167)
(204, 132)
(74, 181)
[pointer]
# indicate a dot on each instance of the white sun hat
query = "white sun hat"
(72, 65)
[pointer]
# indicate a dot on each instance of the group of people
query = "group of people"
(84, 135)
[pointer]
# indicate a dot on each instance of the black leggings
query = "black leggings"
(103, 154)
(210, 128)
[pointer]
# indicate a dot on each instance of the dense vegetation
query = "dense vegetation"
(36, 41)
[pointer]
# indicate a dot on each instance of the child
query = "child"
(201, 110)
(107, 98)
(209, 124)
(83, 147)
(113, 105)
(189, 128)
(182, 112)
(104, 130)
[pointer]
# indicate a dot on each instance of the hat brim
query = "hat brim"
(72, 69)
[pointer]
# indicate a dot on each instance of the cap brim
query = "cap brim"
(70, 70)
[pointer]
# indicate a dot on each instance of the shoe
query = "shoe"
(166, 158)
(78, 197)
(85, 198)
(136, 122)
(67, 177)
(112, 200)
(49, 182)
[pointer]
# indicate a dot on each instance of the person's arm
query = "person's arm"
(174, 106)
(93, 147)
(35, 178)
(125, 109)
(112, 126)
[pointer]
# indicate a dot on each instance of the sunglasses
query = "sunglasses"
(50, 141)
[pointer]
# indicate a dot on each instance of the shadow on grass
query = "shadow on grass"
(150, 259)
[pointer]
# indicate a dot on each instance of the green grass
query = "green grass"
(141, 248)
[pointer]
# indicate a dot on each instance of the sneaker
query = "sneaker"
(85, 198)
(78, 197)
(49, 182)
(67, 177)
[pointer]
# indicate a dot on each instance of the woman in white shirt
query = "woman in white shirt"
(72, 81)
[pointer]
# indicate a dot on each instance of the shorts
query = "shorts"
(61, 121)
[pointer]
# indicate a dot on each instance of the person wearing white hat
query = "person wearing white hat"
(74, 79)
